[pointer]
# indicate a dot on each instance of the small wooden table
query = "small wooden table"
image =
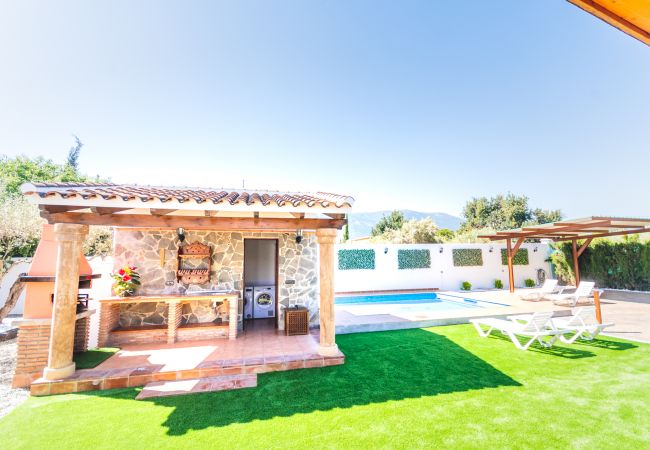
(296, 320)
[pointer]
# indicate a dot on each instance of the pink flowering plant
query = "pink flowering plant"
(127, 279)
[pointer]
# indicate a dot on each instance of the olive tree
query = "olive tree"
(20, 228)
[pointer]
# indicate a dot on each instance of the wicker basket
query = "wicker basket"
(296, 321)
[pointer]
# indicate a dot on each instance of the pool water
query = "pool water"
(415, 302)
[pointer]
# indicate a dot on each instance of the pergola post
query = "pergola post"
(326, 238)
(511, 252)
(69, 239)
(576, 268)
(511, 272)
(577, 252)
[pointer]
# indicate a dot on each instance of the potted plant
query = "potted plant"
(498, 284)
(127, 279)
(529, 282)
(466, 286)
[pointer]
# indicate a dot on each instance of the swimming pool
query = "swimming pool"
(412, 302)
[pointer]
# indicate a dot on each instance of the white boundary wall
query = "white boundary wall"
(20, 265)
(442, 274)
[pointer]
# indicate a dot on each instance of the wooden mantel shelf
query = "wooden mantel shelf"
(171, 298)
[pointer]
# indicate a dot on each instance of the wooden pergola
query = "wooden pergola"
(584, 230)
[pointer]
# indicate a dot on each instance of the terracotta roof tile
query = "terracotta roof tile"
(111, 191)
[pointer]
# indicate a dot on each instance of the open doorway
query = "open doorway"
(261, 280)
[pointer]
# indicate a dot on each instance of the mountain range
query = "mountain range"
(361, 223)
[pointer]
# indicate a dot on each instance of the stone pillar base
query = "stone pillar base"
(328, 350)
(50, 373)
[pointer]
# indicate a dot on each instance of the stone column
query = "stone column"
(69, 239)
(326, 238)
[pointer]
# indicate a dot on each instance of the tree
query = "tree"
(73, 154)
(346, 233)
(99, 242)
(20, 222)
(392, 222)
(21, 169)
(445, 234)
(504, 212)
(422, 231)
(20, 228)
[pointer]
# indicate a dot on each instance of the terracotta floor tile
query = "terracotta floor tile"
(38, 389)
(260, 348)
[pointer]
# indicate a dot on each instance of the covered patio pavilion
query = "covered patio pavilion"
(71, 208)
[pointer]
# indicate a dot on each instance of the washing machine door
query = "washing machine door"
(264, 305)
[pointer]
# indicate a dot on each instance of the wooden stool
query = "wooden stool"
(296, 320)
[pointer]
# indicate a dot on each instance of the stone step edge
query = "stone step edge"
(43, 387)
(157, 389)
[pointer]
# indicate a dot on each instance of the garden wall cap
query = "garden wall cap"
(88, 191)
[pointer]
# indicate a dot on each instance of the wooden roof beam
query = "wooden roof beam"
(161, 212)
(216, 223)
(615, 233)
(59, 208)
(107, 211)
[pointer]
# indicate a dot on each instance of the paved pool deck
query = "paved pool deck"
(380, 317)
(630, 313)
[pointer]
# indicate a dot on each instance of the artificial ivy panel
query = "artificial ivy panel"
(356, 259)
(520, 259)
(414, 259)
(467, 257)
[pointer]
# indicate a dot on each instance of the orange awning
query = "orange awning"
(629, 16)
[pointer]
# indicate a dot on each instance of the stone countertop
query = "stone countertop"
(170, 298)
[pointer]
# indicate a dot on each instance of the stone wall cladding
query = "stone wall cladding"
(297, 267)
(145, 313)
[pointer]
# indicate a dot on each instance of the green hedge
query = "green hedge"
(520, 259)
(414, 259)
(356, 259)
(467, 257)
(611, 264)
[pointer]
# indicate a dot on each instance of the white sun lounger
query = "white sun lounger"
(584, 290)
(538, 326)
(549, 287)
(583, 324)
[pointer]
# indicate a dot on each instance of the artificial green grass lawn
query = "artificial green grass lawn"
(437, 387)
(93, 357)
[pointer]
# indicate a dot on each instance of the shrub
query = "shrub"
(99, 242)
(467, 257)
(466, 286)
(520, 259)
(356, 259)
(621, 264)
(498, 284)
(529, 282)
(413, 259)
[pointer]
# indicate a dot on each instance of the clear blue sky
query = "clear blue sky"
(406, 104)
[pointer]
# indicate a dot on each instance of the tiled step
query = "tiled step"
(192, 386)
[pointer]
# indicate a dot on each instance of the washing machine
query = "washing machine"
(264, 302)
(248, 303)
